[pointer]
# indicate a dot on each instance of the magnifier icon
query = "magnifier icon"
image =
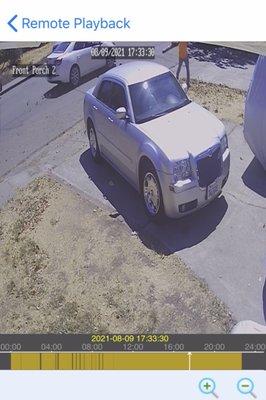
(246, 386)
(208, 386)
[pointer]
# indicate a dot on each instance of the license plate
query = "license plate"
(212, 189)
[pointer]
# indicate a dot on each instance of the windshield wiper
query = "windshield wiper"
(160, 114)
(187, 101)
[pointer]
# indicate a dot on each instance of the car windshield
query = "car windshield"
(61, 47)
(156, 97)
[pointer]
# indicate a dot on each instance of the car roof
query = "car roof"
(136, 71)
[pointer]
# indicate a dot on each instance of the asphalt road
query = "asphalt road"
(34, 113)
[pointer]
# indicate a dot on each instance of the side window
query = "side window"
(88, 44)
(94, 43)
(105, 92)
(79, 46)
(118, 97)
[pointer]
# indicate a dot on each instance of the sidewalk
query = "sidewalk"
(14, 83)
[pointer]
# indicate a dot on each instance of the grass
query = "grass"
(66, 267)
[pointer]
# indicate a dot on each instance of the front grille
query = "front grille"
(209, 165)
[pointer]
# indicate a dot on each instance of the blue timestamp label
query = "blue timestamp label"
(123, 52)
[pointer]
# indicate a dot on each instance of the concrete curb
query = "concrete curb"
(14, 83)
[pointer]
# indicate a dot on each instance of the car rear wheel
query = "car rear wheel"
(74, 76)
(152, 194)
(94, 147)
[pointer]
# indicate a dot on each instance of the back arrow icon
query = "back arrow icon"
(10, 23)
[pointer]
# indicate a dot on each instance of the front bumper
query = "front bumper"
(184, 198)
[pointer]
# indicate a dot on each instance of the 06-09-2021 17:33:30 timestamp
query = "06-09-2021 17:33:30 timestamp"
(123, 52)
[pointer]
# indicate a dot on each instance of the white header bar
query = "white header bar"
(119, 20)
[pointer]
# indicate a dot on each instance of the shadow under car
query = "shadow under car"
(254, 177)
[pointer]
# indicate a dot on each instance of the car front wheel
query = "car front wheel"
(74, 76)
(94, 147)
(152, 194)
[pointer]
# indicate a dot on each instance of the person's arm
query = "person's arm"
(171, 46)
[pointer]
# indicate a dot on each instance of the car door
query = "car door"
(123, 135)
(91, 64)
(82, 56)
(97, 63)
(103, 119)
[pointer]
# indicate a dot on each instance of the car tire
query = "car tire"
(74, 76)
(152, 193)
(94, 147)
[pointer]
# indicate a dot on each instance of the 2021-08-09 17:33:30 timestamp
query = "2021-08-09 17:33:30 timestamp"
(123, 52)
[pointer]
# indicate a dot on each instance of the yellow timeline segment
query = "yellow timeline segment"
(126, 361)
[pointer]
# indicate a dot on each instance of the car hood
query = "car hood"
(189, 130)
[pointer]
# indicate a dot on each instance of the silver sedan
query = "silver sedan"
(173, 151)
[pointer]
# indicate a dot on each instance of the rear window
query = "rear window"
(61, 47)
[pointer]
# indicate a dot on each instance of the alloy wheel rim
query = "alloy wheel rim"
(151, 193)
(74, 76)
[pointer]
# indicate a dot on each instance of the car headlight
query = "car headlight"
(224, 143)
(182, 170)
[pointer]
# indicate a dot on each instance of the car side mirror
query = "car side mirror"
(184, 87)
(121, 113)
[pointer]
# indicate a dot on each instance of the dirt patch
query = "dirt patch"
(68, 267)
(31, 56)
(224, 102)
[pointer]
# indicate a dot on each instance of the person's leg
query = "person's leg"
(188, 72)
(179, 68)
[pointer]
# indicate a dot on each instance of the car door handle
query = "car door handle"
(110, 119)
(94, 107)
